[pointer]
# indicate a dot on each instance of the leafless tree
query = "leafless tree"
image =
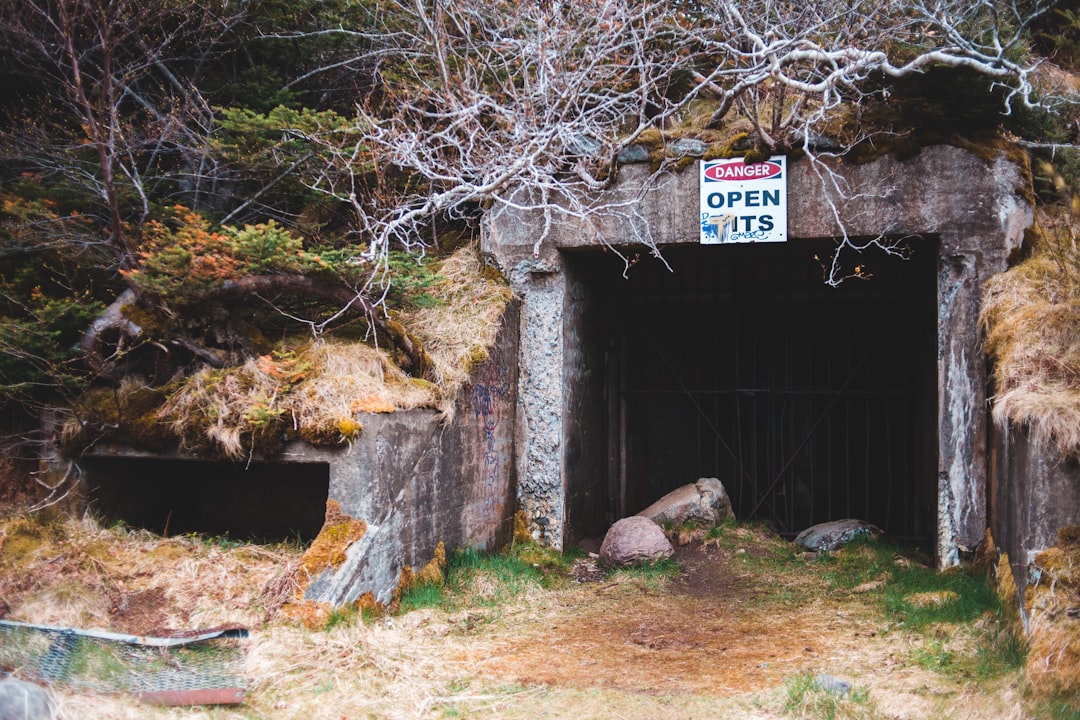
(114, 108)
(476, 105)
(488, 103)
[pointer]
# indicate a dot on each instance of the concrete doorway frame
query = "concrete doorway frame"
(976, 206)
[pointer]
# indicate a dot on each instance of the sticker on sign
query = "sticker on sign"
(743, 202)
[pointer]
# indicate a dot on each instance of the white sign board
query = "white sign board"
(743, 203)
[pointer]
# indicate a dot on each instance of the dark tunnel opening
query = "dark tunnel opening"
(256, 502)
(809, 402)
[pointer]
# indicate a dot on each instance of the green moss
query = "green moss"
(124, 416)
(22, 536)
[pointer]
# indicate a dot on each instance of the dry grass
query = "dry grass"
(78, 573)
(722, 640)
(317, 390)
(1031, 315)
(459, 332)
(1053, 665)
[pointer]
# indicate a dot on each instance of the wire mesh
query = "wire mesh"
(87, 661)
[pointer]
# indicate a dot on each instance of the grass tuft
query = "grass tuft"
(805, 698)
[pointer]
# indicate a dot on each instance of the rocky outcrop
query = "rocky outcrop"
(704, 501)
(634, 541)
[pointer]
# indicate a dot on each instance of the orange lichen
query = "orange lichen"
(521, 528)
(307, 613)
(373, 404)
(432, 573)
(339, 531)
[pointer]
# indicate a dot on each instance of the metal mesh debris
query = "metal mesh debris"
(189, 668)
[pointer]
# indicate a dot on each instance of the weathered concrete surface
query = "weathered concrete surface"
(1034, 492)
(973, 206)
(417, 481)
(541, 286)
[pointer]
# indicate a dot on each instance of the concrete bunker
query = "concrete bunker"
(809, 402)
(967, 212)
(415, 479)
(260, 501)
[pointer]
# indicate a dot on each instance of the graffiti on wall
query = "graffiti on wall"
(486, 395)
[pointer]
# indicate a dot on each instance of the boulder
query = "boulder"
(705, 501)
(20, 700)
(634, 541)
(826, 537)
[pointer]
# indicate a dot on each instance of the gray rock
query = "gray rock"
(688, 146)
(826, 537)
(633, 154)
(833, 685)
(634, 541)
(584, 146)
(20, 700)
(747, 142)
(705, 501)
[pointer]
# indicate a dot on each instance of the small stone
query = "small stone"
(20, 700)
(833, 685)
(633, 154)
(688, 147)
(634, 541)
(584, 146)
(747, 142)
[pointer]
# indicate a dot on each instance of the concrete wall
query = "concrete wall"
(975, 207)
(1033, 493)
(418, 481)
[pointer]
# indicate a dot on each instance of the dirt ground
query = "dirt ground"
(722, 638)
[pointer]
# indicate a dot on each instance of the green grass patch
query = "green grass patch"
(654, 575)
(934, 656)
(474, 578)
(999, 650)
(423, 595)
(907, 583)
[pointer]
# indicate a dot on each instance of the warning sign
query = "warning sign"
(743, 203)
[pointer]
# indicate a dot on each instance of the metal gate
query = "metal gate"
(810, 403)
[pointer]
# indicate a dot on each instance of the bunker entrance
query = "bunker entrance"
(810, 403)
(261, 502)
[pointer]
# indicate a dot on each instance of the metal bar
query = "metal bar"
(206, 696)
(809, 435)
(694, 402)
(185, 638)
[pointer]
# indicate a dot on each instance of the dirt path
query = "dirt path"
(726, 637)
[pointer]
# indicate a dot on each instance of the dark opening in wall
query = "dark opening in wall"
(262, 501)
(810, 403)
